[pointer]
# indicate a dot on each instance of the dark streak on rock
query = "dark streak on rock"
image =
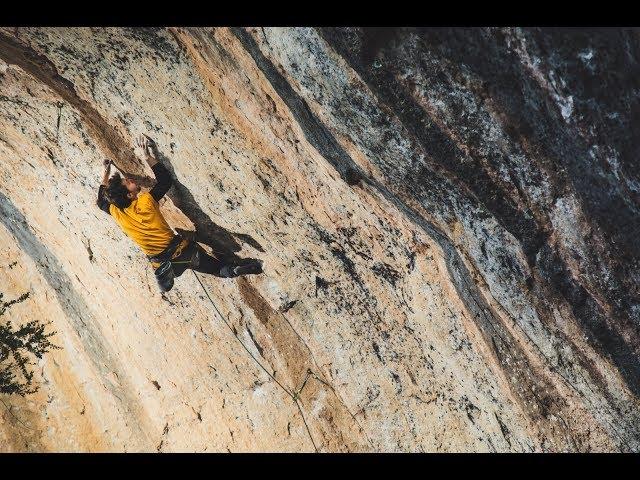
(439, 146)
(76, 310)
(258, 347)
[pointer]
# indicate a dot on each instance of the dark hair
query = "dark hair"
(117, 193)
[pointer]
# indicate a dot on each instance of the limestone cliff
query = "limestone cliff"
(448, 221)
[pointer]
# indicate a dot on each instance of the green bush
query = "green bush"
(18, 346)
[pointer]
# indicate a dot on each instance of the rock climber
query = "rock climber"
(138, 215)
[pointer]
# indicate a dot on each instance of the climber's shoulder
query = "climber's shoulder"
(146, 200)
(142, 203)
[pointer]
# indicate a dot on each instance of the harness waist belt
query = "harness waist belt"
(168, 252)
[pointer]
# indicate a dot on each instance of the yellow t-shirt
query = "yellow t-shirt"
(143, 222)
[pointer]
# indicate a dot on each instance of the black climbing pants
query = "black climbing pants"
(202, 262)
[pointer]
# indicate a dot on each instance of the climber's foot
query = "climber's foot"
(251, 268)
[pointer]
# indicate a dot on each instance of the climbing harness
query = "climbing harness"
(164, 273)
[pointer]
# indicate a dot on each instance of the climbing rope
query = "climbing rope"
(293, 396)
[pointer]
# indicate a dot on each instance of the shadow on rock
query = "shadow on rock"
(224, 243)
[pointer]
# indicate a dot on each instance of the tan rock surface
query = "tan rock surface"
(403, 332)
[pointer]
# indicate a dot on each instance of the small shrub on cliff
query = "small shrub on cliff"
(17, 347)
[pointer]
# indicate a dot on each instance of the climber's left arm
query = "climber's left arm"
(102, 201)
(163, 183)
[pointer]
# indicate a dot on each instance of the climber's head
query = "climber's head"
(122, 191)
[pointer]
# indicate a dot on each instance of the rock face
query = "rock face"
(448, 221)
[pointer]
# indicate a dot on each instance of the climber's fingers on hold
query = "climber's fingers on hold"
(143, 143)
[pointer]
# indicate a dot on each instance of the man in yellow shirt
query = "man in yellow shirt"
(138, 215)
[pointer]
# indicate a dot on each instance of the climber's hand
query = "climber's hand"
(107, 164)
(142, 142)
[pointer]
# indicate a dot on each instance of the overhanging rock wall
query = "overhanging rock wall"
(448, 222)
